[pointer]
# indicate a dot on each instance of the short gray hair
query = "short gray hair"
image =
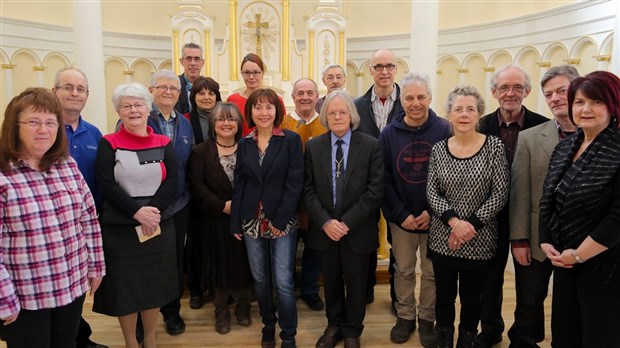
(316, 88)
(57, 77)
(339, 93)
(416, 78)
(344, 73)
(465, 91)
(528, 82)
(132, 90)
(565, 70)
(166, 75)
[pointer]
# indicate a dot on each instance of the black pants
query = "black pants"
(181, 221)
(584, 312)
(469, 284)
(531, 285)
(44, 328)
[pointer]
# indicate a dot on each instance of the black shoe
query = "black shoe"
(330, 338)
(242, 312)
(370, 297)
(196, 302)
(352, 342)
(174, 325)
(426, 329)
(402, 330)
(91, 344)
(484, 340)
(313, 301)
(269, 337)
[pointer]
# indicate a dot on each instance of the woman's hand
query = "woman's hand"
(149, 217)
(462, 229)
(94, 283)
(226, 209)
(10, 319)
(276, 232)
(557, 259)
(238, 236)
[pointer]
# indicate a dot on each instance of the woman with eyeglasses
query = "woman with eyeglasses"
(136, 171)
(50, 240)
(252, 71)
(211, 177)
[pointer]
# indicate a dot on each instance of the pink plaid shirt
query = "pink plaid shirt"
(50, 239)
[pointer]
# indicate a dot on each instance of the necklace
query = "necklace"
(338, 164)
(225, 146)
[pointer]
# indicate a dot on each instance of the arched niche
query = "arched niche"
(584, 52)
(447, 78)
(351, 71)
(556, 54)
(115, 70)
(54, 62)
(474, 63)
(24, 76)
(528, 60)
(142, 71)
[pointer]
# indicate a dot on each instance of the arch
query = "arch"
(165, 64)
(400, 61)
(524, 51)
(546, 56)
(607, 45)
(4, 58)
(445, 59)
(142, 61)
(497, 55)
(470, 57)
(350, 63)
(574, 52)
(27, 52)
(118, 60)
(59, 55)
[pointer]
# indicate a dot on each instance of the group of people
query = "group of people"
(224, 191)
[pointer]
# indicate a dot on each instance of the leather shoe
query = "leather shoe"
(174, 325)
(330, 337)
(352, 342)
(195, 302)
(91, 344)
(370, 297)
(269, 337)
(484, 340)
(313, 301)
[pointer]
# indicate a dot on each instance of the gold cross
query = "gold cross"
(257, 24)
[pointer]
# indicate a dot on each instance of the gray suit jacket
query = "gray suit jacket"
(363, 192)
(529, 169)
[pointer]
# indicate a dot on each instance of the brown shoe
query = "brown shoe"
(352, 342)
(330, 337)
(242, 312)
(222, 322)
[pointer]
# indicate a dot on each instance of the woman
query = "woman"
(50, 240)
(205, 94)
(343, 228)
(467, 186)
(211, 170)
(136, 173)
(268, 185)
(252, 70)
(580, 215)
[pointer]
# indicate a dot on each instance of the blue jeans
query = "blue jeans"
(272, 262)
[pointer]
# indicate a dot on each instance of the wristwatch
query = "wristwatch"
(576, 257)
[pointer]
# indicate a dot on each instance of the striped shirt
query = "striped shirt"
(50, 239)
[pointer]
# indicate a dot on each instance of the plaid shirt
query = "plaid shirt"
(50, 239)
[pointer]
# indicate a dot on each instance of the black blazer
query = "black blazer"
(278, 182)
(489, 123)
(363, 104)
(363, 191)
(182, 105)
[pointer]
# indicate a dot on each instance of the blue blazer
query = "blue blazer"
(278, 182)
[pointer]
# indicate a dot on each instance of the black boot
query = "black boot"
(466, 338)
(445, 336)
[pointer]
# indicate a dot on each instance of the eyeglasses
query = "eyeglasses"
(334, 77)
(166, 88)
(137, 106)
(192, 59)
(335, 114)
(70, 88)
(224, 119)
(561, 92)
(516, 89)
(380, 67)
(459, 110)
(38, 123)
(251, 73)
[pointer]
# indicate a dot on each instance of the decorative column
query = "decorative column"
(603, 62)
(8, 81)
(359, 82)
(38, 71)
(286, 45)
(191, 24)
(488, 73)
(310, 53)
(462, 75)
(326, 39)
(233, 59)
(88, 50)
(423, 37)
(176, 63)
(541, 104)
(615, 62)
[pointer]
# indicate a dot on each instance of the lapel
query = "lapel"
(323, 161)
(548, 138)
(251, 157)
(352, 159)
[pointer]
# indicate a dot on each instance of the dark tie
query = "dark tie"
(339, 177)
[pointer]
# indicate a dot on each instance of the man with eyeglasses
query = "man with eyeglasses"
(377, 108)
(510, 85)
(529, 169)
(71, 89)
(192, 62)
(165, 120)
(334, 78)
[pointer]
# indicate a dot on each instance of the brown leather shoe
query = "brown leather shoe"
(330, 337)
(222, 322)
(352, 342)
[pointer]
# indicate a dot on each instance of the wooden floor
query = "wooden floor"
(201, 332)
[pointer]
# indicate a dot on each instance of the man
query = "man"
(406, 145)
(192, 62)
(377, 108)
(343, 191)
(304, 120)
(529, 169)
(334, 78)
(510, 85)
(166, 121)
(71, 88)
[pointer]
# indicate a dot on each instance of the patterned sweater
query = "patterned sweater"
(474, 189)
